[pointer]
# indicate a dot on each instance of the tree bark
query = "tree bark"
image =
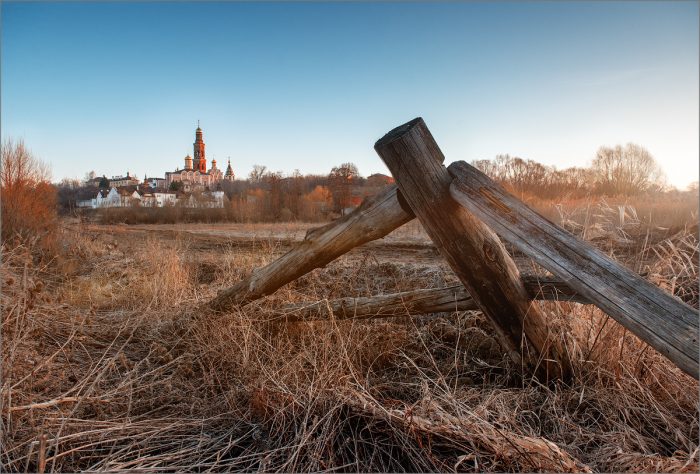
(374, 219)
(426, 301)
(472, 250)
(663, 321)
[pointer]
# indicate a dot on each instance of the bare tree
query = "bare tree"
(626, 170)
(488, 167)
(257, 174)
(275, 195)
(619, 170)
(68, 191)
(341, 180)
(28, 197)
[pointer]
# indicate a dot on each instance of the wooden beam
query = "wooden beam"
(425, 301)
(663, 321)
(375, 218)
(473, 251)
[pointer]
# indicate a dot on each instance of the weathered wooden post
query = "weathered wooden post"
(473, 251)
(374, 219)
(664, 322)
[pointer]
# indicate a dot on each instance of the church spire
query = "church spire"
(229, 171)
(200, 159)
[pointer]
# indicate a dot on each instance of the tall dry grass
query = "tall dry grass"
(107, 366)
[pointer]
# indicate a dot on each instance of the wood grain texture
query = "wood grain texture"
(663, 321)
(473, 251)
(375, 218)
(415, 302)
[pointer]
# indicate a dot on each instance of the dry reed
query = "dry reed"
(106, 367)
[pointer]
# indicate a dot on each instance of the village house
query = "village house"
(158, 199)
(119, 181)
(90, 202)
(102, 198)
(206, 199)
(123, 197)
(130, 197)
(155, 183)
(95, 182)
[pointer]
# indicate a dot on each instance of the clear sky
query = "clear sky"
(120, 86)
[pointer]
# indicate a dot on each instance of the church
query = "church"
(195, 175)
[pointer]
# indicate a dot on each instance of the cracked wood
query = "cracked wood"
(658, 318)
(473, 251)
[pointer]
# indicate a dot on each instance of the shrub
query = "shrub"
(28, 198)
(163, 215)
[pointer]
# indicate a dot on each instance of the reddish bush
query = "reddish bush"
(28, 198)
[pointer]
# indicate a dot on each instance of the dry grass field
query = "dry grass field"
(108, 364)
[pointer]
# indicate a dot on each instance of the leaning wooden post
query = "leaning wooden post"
(472, 250)
(659, 319)
(374, 219)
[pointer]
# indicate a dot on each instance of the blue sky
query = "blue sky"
(113, 87)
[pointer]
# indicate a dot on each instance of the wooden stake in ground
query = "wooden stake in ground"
(664, 322)
(472, 250)
(374, 219)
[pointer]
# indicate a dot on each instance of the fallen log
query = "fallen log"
(374, 219)
(473, 251)
(664, 322)
(425, 301)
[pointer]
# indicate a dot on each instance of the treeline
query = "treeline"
(621, 170)
(269, 196)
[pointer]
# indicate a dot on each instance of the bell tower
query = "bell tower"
(200, 160)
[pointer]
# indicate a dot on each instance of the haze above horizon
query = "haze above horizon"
(116, 87)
